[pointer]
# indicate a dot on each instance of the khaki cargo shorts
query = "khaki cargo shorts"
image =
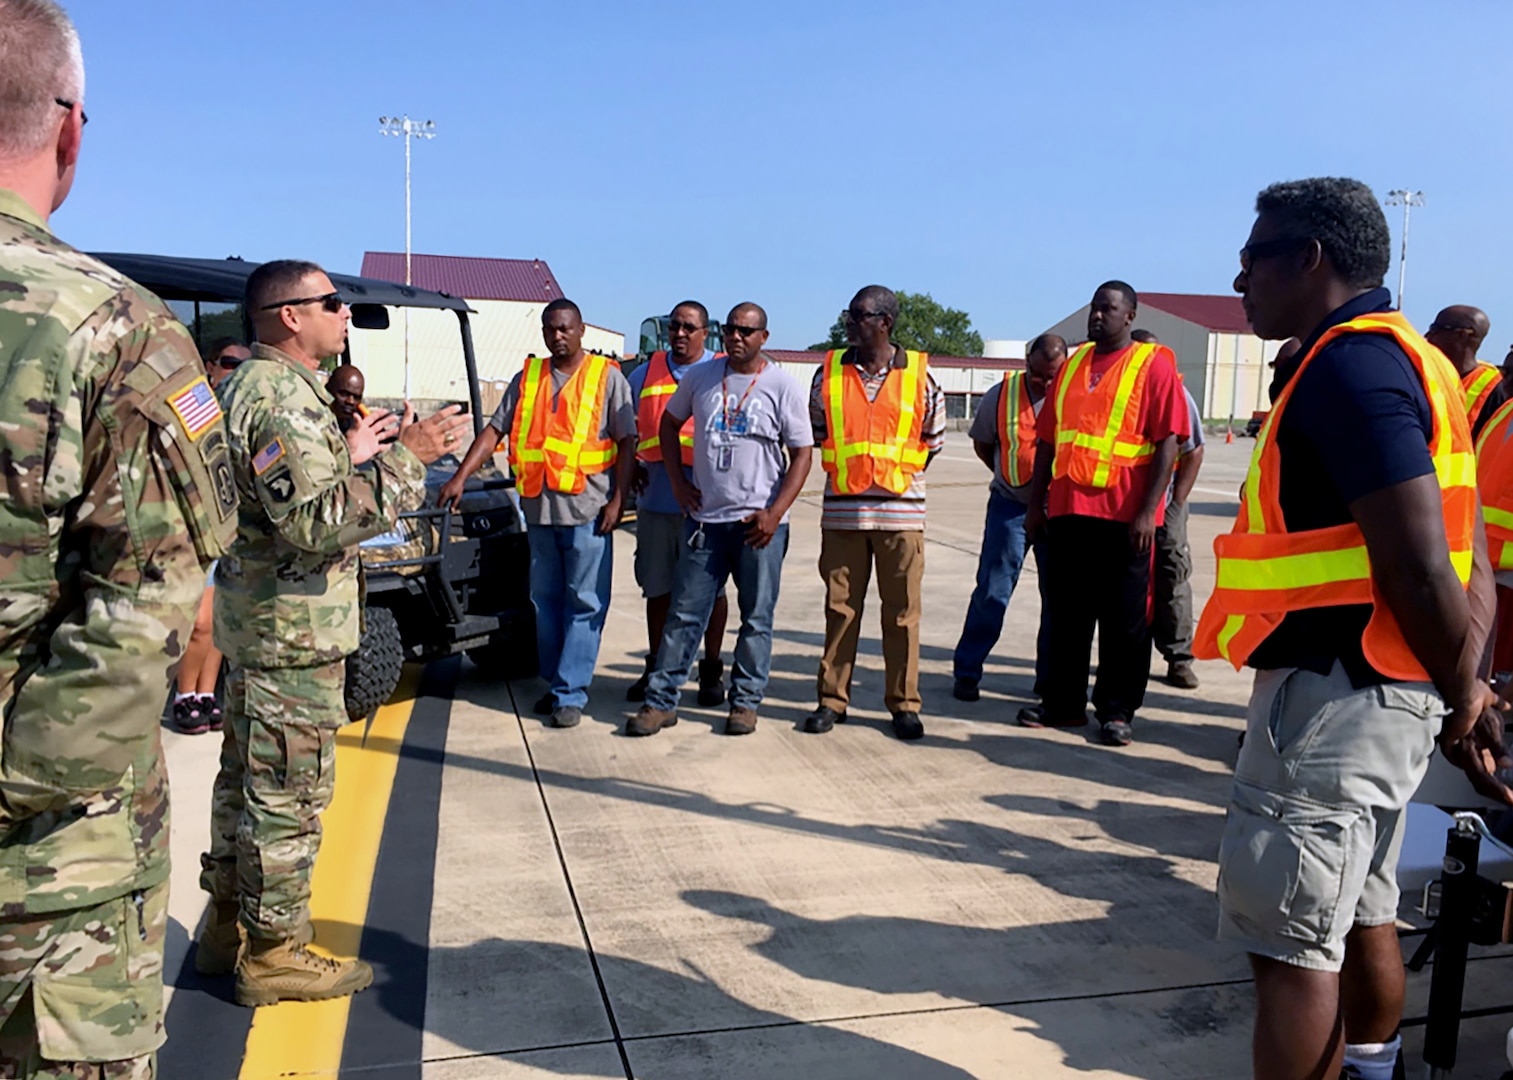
(1316, 816)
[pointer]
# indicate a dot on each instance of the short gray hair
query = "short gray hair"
(40, 61)
(1343, 215)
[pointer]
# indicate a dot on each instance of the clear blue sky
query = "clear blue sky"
(1005, 157)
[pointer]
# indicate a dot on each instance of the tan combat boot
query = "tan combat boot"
(274, 971)
(220, 941)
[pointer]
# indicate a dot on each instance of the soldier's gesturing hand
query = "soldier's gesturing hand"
(440, 433)
(366, 437)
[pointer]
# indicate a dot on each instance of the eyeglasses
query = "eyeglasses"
(1266, 249)
(685, 327)
(69, 105)
(743, 332)
(230, 363)
(331, 301)
(860, 316)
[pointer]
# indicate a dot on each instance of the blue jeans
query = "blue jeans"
(998, 566)
(700, 577)
(571, 567)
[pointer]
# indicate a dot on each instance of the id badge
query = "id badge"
(723, 457)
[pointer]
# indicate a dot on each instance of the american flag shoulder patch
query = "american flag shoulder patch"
(196, 407)
(264, 459)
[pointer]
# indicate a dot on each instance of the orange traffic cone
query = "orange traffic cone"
(1229, 435)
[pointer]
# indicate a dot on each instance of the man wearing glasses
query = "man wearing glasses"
(287, 616)
(878, 419)
(114, 504)
(752, 445)
(1458, 332)
(659, 518)
(223, 357)
(1356, 584)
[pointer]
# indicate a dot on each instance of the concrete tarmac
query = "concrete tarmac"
(990, 902)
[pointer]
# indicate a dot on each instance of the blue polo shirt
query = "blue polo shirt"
(658, 497)
(1357, 422)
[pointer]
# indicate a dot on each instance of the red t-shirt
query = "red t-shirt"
(1163, 412)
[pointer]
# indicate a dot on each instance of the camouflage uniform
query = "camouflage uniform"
(115, 493)
(286, 616)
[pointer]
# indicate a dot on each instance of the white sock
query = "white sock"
(177, 698)
(1372, 1061)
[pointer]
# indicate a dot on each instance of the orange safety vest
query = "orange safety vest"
(658, 387)
(1494, 480)
(1097, 428)
(1016, 431)
(875, 442)
(1479, 386)
(558, 447)
(1264, 571)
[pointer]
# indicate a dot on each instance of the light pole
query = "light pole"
(408, 129)
(1407, 200)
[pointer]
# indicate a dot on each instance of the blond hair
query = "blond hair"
(40, 62)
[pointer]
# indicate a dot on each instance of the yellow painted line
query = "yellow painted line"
(304, 1038)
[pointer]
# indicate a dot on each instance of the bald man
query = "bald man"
(1458, 332)
(346, 386)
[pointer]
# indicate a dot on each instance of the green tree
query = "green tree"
(923, 325)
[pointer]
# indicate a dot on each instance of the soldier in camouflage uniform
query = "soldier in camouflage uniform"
(115, 494)
(287, 616)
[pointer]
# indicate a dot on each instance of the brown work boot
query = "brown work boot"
(270, 972)
(649, 721)
(220, 941)
(741, 721)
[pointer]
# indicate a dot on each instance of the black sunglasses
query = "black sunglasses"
(227, 362)
(331, 301)
(1267, 249)
(860, 316)
(743, 331)
(686, 327)
(69, 105)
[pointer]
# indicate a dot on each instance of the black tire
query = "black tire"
(373, 670)
(511, 655)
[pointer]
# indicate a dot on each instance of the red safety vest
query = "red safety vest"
(1265, 571)
(558, 448)
(655, 391)
(1016, 430)
(878, 442)
(1098, 428)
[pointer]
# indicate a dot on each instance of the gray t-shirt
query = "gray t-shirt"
(984, 429)
(738, 467)
(554, 507)
(1192, 442)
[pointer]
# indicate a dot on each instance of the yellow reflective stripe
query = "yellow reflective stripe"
(1493, 422)
(837, 433)
(649, 444)
(1484, 378)
(1461, 561)
(583, 416)
(1302, 571)
(1008, 405)
(1232, 626)
(1455, 470)
(1501, 518)
(906, 409)
(664, 390)
(526, 408)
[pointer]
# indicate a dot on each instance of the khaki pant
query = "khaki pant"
(846, 560)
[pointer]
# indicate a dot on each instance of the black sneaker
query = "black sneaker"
(711, 682)
(965, 690)
(907, 726)
(545, 705)
(823, 719)
(1117, 732)
(189, 718)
